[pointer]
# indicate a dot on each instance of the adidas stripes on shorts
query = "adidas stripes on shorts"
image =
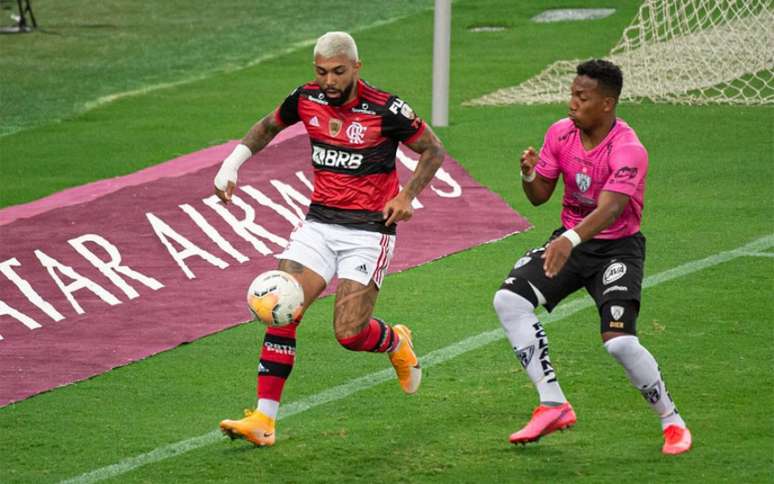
(349, 253)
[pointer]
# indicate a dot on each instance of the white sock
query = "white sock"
(268, 407)
(529, 342)
(643, 372)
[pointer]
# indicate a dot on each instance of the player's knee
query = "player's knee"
(507, 302)
(518, 287)
(624, 348)
(619, 317)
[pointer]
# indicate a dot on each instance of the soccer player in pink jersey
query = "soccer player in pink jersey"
(603, 166)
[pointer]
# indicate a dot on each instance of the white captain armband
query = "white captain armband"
(230, 167)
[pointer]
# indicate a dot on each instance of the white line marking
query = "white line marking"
(759, 254)
(430, 359)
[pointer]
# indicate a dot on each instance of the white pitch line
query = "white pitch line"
(430, 359)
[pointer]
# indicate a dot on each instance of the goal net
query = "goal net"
(677, 51)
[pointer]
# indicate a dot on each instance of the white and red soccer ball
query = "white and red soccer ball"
(275, 298)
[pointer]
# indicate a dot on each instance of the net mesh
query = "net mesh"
(677, 51)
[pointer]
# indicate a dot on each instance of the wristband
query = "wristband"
(230, 167)
(573, 237)
(529, 178)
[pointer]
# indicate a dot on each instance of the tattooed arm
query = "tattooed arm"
(431, 156)
(262, 133)
(254, 141)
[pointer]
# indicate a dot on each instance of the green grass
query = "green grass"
(709, 190)
(86, 51)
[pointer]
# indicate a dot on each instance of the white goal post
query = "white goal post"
(677, 51)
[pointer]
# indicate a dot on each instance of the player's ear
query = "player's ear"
(609, 103)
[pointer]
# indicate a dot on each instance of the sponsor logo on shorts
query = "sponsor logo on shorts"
(522, 262)
(355, 133)
(614, 289)
(616, 311)
(613, 272)
(336, 158)
(362, 268)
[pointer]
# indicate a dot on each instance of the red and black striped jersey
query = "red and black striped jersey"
(353, 151)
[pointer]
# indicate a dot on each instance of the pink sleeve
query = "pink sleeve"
(628, 167)
(548, 166)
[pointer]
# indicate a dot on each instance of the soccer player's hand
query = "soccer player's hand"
(529, 159)
(397, 209)
(556, 255)
(225, 195)
(225, 182)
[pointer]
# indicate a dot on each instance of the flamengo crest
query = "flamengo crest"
(355, 133)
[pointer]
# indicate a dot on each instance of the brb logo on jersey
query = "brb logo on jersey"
(335, 158)
(355, 133)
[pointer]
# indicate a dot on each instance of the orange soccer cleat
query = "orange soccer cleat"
(405, 361)
(545, 420)
(255, 427)
(676, 440)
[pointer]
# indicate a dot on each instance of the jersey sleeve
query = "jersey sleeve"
(628, 167)
(287, 112)
(401, 123)
(548, 166)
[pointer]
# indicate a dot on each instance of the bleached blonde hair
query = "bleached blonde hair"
(332, 44)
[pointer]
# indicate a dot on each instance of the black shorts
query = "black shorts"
(610, 270)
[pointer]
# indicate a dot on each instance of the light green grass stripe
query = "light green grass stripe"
(93, 104)
(433, 358)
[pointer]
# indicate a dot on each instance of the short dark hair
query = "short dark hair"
(608, 75)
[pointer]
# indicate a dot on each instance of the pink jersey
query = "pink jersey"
(618, 164)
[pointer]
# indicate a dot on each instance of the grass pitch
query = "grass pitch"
(709, 190)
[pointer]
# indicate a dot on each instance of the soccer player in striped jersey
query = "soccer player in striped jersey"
(350, 228)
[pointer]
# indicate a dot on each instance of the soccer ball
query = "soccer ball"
(275, 298)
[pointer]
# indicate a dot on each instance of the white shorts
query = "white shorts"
(329, 250)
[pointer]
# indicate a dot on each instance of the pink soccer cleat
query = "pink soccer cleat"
(544, 421)
(676, 440)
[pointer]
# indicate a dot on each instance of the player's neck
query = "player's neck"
(354, 93)
(591, 138)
